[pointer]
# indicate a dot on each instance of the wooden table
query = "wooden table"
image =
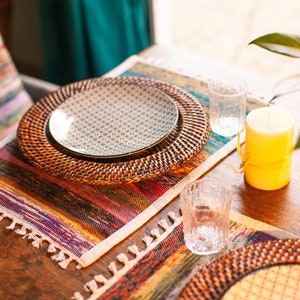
(28, 273)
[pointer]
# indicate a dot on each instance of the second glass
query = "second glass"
(227, 105)
(205, 206)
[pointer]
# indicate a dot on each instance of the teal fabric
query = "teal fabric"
(86, 38)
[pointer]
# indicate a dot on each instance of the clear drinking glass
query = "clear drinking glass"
(205, 206)
(227, 105)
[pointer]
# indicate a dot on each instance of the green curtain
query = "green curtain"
(86, 38)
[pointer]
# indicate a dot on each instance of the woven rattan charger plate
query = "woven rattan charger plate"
(220, 279)
(185, 141)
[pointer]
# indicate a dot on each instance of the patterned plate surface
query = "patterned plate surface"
(113, 121)
(184, 141)
(276, 282)
(265, 271)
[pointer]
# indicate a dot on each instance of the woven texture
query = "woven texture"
(215, 280)
(75, 217)
(165, 270)
(276, 282)
(184, 142)
(14, 100)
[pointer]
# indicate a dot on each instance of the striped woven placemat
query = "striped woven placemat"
(165, 267)
(81, 222)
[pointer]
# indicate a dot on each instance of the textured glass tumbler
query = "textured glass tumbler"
(205, 206)
(227, 105)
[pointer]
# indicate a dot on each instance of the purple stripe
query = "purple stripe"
(20, 102)
(46, 225)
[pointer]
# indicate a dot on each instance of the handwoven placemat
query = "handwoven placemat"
(82, 222)
(166, 266)
(184, 142)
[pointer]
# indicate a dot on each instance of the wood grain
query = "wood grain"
(29, 273)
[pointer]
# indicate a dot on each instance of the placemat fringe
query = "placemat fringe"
(100, 283)
(77, 296)
(103, 247)
(37, 240)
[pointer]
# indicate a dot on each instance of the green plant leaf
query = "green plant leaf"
(298, 144)
(286, 44)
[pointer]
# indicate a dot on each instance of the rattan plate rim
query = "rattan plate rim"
(185, 142)
(216, 279)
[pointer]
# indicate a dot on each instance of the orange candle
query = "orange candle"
(268, 148)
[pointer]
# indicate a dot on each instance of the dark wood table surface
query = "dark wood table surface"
(29, 273)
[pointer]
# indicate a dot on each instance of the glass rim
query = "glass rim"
(238, 83)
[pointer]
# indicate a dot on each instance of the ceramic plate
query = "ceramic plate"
(114, 120)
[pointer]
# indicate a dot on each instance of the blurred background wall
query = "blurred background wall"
(68, 40)
(20, 29)
(218, 29)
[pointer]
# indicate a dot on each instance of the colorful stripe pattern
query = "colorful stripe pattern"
(14, 100)
(74, 217)
(164, 271)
